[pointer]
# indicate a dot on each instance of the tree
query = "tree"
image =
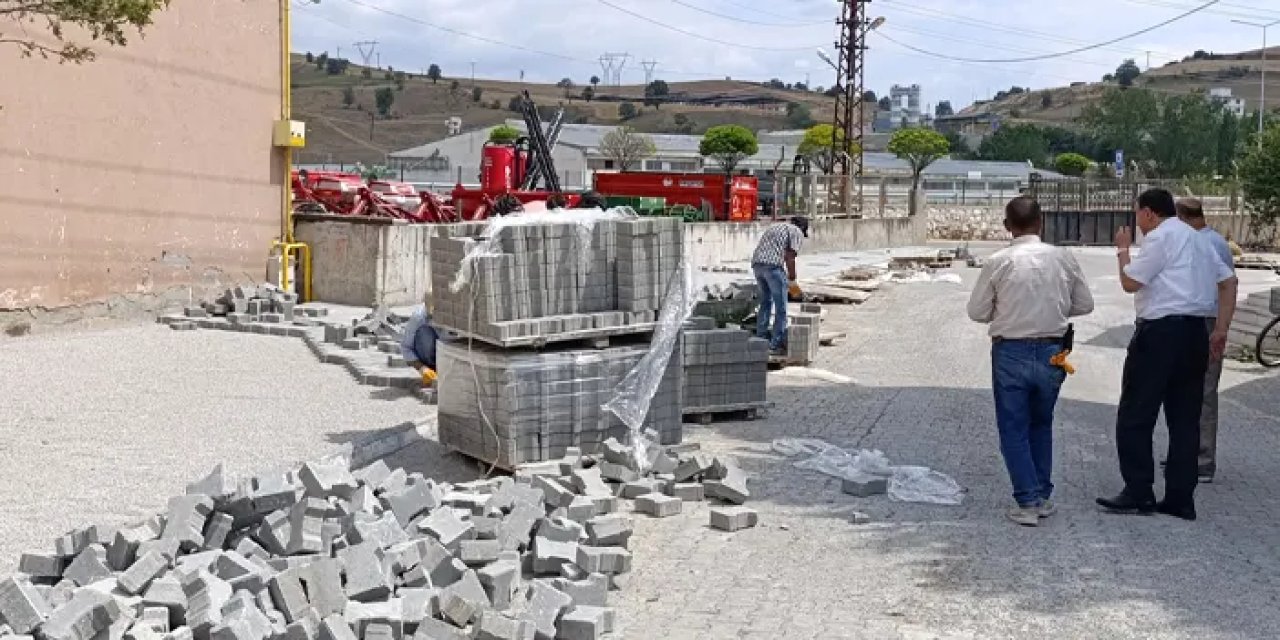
(1127, 72)
(1016, 143)
(310, 58)
(799, 116)
(348, 97)
(454, 86)
(655, 92)
(1260, 177)
(384, 98)
(366, 73)
(943, 109)
(588, 93)
(822, 143)
(835, 91)
(503, 134)
(322, 61)
(336, 66)
(565, 83)
(728, 145)
(1228, 143)
(108, 22)
(886, 103)
(1122, 120)
(400, 78)
(627, 111)
(1071, 164)
(595, 80)
(920, 148)
(626, 147)
(959, 147)
(1046, 100)
(1184, 141)
(477, 94)
(683, 124)
(869, 96)
(433, 73)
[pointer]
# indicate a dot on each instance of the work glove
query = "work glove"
(428, 376)
(793, 291)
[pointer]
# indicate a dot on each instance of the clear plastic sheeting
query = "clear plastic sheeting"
(906, 483)
(633, 395)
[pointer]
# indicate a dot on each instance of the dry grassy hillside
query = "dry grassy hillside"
(337, 133)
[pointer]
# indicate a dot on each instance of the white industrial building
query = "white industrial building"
(1229, 101)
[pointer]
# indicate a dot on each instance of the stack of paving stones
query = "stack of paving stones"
(724, 369)
(804, 335)
(264, 308)
(322, 553)
(556, 281)
(371, 358)
(508, 407)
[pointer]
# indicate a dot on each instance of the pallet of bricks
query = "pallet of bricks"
(550, 314)
(725, 370)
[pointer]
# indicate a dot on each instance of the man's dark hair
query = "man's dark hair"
(1190, 207)
(1158, 201)
(801, 222)
(1022, 214)
(592, 200)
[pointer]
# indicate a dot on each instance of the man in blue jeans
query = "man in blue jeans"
(418, 344)
(774, 265)
(1026, 292)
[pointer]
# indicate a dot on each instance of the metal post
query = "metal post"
(1262, 89)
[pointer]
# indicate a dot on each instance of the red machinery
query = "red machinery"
(347, 194)
(704, 191)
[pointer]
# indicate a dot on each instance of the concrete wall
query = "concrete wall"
(367, 262)
(146, 174)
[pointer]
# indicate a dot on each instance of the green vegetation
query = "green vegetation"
(384, 98)
(821, 143)
(1071, 164)
(655, 92)
(504, 134)
(728, 145)
(433, 73)
(1167, 136)
(920, 148)
(626, 147)
(627, 111)
(1260, 176)
(102, 20)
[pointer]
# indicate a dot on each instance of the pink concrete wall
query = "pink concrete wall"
(148, 170)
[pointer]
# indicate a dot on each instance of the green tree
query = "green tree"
(626, 147)
(920, 148)
(799, 115)
(958, 146)
(565, 83)
(655, 92)
(1016, 143)
(595, 80)
(1127, 72)
(336, 66)
(869, 96)
(1184, 141)
(943, 109)
(384, 98)
(400, 77)
(728, 145)
(503, 134)
(1260, 177)
(627, 111)
(107, 21)
(348, 97)
(1123, 119)
(683, 124)
(588, 93)
(886, 103)
(322, 61)
(822, 143)
(477, 94)
(1071, 164)
(433, 73)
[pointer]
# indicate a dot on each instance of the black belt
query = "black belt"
(1141, 321)
(998, 339)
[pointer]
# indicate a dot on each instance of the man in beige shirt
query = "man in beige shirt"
(1026, 292)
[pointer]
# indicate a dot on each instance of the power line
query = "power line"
(1254, 13)
(1016, 49)
(1046, 56)
(463, 34)
(734, 18)
(692, 34)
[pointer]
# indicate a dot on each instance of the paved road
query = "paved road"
(921, 394)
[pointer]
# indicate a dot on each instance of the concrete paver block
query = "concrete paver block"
(496, 626)
(613, 530)
(733, 518)
(545, 606)
(21, 606)
(501, 581)
(366, 581)
(593, 591)
(584, 623)
(865, 486)
(87, 613)
(555, 543)
(88, 567)
(658, 505)
(139, 575)
(606, 560)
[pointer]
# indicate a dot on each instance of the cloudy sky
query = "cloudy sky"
(763, 39)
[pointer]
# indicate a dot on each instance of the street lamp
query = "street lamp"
(1262, 90)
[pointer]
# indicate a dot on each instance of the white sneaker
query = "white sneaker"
(1025, 516)
(1047, 508)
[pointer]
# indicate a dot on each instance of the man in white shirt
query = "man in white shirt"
(1026, 292)
(1176, 280)
(1191, 212)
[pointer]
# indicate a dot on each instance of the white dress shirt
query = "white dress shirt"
(1029, 290)
(1179, 271)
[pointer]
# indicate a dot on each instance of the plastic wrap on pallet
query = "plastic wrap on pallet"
(513, 406)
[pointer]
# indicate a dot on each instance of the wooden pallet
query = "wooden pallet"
(1258, 265)
(584, 339)
(743, 411)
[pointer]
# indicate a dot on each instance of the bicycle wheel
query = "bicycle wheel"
(1268, 347)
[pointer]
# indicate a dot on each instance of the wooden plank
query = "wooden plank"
(829, 338)
(817, 292)
(850, 285)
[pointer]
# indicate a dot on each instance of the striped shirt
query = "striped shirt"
(773, 245)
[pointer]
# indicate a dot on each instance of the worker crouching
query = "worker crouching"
(1026, 293)
(418, 344)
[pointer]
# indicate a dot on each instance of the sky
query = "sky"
(763, 39)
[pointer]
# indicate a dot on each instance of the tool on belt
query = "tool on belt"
(1060, 359)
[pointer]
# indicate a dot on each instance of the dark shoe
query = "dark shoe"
(1163, 463)
(1205, 474)
(1184, 511)
(1124, 504)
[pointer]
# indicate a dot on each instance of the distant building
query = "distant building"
(1230, 102)
(967, 123)
(905, 110)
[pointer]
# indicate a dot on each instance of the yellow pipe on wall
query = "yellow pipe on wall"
(286, 113)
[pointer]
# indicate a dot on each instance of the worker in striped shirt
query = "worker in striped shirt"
(774, 265)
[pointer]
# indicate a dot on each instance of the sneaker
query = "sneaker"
(1205, 477)
(1025, 516)
(1047, 508)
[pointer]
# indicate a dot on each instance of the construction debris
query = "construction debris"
(322, 553)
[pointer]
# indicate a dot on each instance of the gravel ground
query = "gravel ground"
(103, 426)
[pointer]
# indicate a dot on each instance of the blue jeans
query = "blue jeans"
(424, 345)
(1026, 389)
(773, 298)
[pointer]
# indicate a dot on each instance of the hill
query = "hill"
(340, 133)
(1240, 72)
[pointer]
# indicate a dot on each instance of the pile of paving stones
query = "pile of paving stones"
(724, 369)
(324, 553)
(263, 308)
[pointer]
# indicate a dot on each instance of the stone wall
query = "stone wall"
(965, 222)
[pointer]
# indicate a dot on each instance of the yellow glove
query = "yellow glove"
(1060, 360)
(428, 376)
(793, 290)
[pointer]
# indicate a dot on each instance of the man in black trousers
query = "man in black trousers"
(1176, 280)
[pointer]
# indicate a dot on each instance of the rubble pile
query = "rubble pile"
(263, 308)
(324, 553)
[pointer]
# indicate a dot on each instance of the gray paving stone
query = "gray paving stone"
(21, 606)
(733, 518)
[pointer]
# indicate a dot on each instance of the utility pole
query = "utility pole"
(649, 66)
(1148, 61)
(1262, 89)
(473, 73)
(379, 59)
(612, 64)
(367, 48)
